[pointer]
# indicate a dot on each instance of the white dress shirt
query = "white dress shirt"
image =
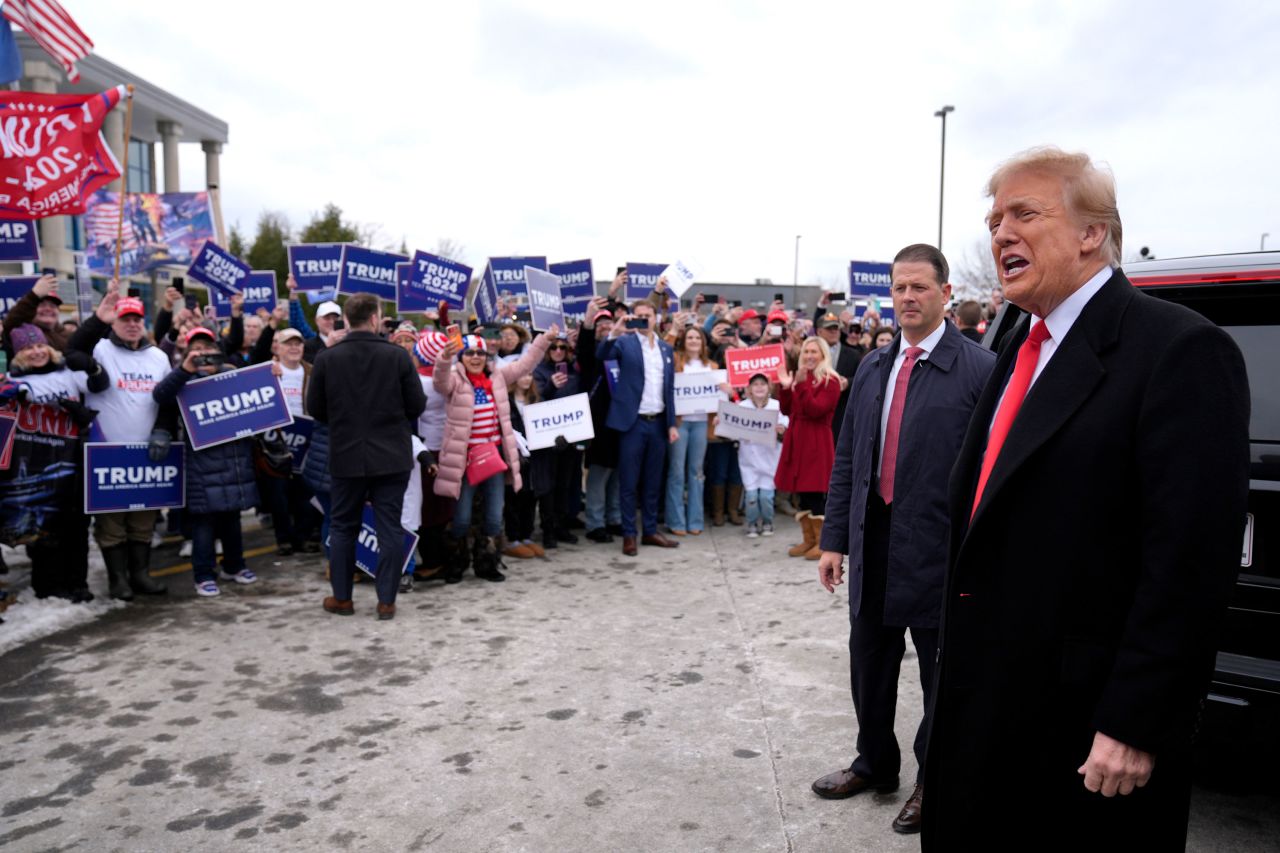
(651, 400)
(931, 340)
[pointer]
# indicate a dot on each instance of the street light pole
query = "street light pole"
(942, 171)
(795, 277)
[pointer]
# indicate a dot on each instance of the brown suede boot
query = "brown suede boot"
(717, 505)
(733, 504)
(803, 548)
(815, 526)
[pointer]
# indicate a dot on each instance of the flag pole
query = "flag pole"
(124, 176)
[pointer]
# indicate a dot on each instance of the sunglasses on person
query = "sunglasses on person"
(554, 347)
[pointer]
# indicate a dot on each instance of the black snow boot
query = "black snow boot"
(487, 559)
(457, 559)
(139, 570)
(117, 559)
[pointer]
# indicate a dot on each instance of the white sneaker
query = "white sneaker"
(207, 589)
(752, 532)
(768, 530)
(185, 550)
(244, 576)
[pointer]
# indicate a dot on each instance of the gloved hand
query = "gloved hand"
(81, 415)
(158, 445)
(561, 443)
(77, 360)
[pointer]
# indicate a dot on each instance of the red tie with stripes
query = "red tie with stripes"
(1014, 393)
(889, 463)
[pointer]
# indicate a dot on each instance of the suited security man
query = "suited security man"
(643, 412)
(1096, 522)
(886, 508)
(367, 390)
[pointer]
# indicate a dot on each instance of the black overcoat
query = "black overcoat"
(367, 390)
(1086, 592)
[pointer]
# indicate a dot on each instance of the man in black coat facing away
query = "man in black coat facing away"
(367, 390)
(887, 509)
(1096, 522)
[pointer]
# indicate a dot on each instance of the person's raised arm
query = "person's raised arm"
(297, 317)
(24, 310)
(530, 358)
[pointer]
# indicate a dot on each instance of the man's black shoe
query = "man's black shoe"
(599, 535)
(563, 534)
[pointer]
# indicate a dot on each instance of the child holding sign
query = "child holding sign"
(759, 462)
(220, 479)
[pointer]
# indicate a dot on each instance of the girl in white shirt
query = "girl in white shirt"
(759, 462)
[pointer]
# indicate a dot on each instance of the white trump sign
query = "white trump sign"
(568, 416)
(757, 426)
(698, 393)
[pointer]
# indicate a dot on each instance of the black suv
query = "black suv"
(1240, 293)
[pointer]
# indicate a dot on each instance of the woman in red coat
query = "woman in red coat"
(808, 451)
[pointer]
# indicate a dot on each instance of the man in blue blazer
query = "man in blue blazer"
(909, 407)
(643, 412)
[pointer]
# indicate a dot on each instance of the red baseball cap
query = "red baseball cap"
(778, 316)
(130, 305)
(195, 332)
(749, 314)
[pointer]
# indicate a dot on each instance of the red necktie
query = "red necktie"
(889, 460)
(1014, 393)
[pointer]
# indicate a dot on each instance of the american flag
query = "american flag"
(101, 221)
(484, 425)
(51, 28)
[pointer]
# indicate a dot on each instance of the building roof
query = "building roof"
(151, 104)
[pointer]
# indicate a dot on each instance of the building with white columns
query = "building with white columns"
(159, 116)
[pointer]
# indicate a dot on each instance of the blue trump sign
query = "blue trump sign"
(369, 271)
(867, 278)
(297, 437)
(367, 545)
(434, 278)
(577, 286)
(258, 290)
(231, 405)
(546, 309)
(642, 279)
(122, 477)
(14, 288)
(508, 275)
(18, 240)
(315, 266)
(215, 267)
(486, 299)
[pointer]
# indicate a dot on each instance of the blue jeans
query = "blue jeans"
(206, 527)
(684, 470)
(759, 506)
(602, 497)
(491, 495)
(722, 464)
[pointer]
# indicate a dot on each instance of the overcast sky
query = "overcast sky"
(716, 131)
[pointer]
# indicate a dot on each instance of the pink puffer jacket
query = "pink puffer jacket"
(459, 409)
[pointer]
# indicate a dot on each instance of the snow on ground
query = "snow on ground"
(30, 618)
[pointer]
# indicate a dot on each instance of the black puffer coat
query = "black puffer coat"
(219, 478)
